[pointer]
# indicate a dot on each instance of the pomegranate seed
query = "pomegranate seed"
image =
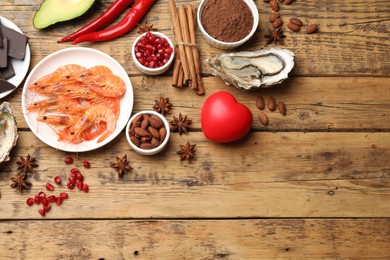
(45, 202)
(59, 201)
(85, 187)
(72, 180)
(80, 177)
(74, 171)
(70, 185)
(68, 160)
(64, 195)
(51, 198)
(37, 199)
(42, 212)
(42, 194)
(30, 201)
(49, 187)
(57, 179)
(164, 41)
(80, 185)
(47, 208)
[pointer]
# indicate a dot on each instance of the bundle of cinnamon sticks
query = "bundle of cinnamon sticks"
(186, 71)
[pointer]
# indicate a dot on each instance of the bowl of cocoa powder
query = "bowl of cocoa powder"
(147, 132)
(227, 24)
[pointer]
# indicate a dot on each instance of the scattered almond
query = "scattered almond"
(274, 5)
(271, 104)
(312, 28)
(263, 119)
(293, 27)
(277, 23)
(273, 17)
(260, 102)
(289, 2)
(282, 108)
(296, 21)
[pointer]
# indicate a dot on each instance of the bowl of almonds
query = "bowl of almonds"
(147, 132)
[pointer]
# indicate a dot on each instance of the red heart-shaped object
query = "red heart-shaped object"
(223, 119)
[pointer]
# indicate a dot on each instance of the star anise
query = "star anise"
(163, 106)
(122, 166)
(181, 124)
(187, 152)
(27, 164)
(275, 36)
(20, 182)
(146, 27)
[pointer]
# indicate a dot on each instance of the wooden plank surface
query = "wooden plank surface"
(266, 175)
(206, 239)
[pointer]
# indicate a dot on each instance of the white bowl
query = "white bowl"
(229, 45)
(154, 150)
(153, 71)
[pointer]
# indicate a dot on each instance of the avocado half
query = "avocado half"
(54, 11)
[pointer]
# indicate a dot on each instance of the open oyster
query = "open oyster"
(8, 131)
(250, 70)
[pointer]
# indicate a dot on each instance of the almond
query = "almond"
(145, 122)
(271, 104)
(282, 108)
(277, 23)
(274, 5)
(138, 118)
(146, 146)
(155, 142)
(312, 28)
(260, 102)
(273, 17)
(263, 119)
(141, 132)
(289, 2)
(135, 140)
(154, 132)
(293, 27)
(155, 121)
(163, 133)
(296, 21)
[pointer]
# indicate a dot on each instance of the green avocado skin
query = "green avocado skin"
(53, 11)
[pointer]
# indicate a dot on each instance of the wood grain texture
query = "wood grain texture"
(313, 104)
(353, 37)
(206, 239)
(265, 175)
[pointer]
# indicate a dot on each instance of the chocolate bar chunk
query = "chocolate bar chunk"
(16, 42)
(4, 53)
(5, 86)
(1, 38)
(8, 72)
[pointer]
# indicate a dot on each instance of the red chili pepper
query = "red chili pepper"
(102, 21)
(131, 19)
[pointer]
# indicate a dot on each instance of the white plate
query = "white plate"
(88, 58)
(20, 66)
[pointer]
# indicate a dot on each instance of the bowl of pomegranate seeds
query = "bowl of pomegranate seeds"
(148, 132)
(153, 53)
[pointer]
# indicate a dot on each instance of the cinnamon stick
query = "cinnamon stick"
(178, 36)
(180, 76)
(176, 67)
(195, 52)
(186, 37)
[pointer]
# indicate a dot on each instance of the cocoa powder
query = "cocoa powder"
(227, 20)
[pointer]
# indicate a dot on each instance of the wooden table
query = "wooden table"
(313, 184)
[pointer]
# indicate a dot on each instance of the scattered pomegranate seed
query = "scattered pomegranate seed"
(49, 187)
(37, 199)
(47, 208)
(87, 164)
(57, 179)
(72, 180)
(68, 160)
(42, 194)
(74, 171)
(85, 187)
(30, 201)
(80, 185)
(80, 177)
(42, 212)
(51, 198)
(45, 202)
(70, 185)
(58, 201)
(64, 195)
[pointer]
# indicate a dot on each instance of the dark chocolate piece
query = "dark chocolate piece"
(1, 38)
(5, 86)
(8, 72)
(16, 42)
(4, 53)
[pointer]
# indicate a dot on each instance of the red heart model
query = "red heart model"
(223, 119)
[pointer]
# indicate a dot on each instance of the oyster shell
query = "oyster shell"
(8, 131)
(251, 70)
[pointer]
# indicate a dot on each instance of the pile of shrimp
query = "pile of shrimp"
(80, 104)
